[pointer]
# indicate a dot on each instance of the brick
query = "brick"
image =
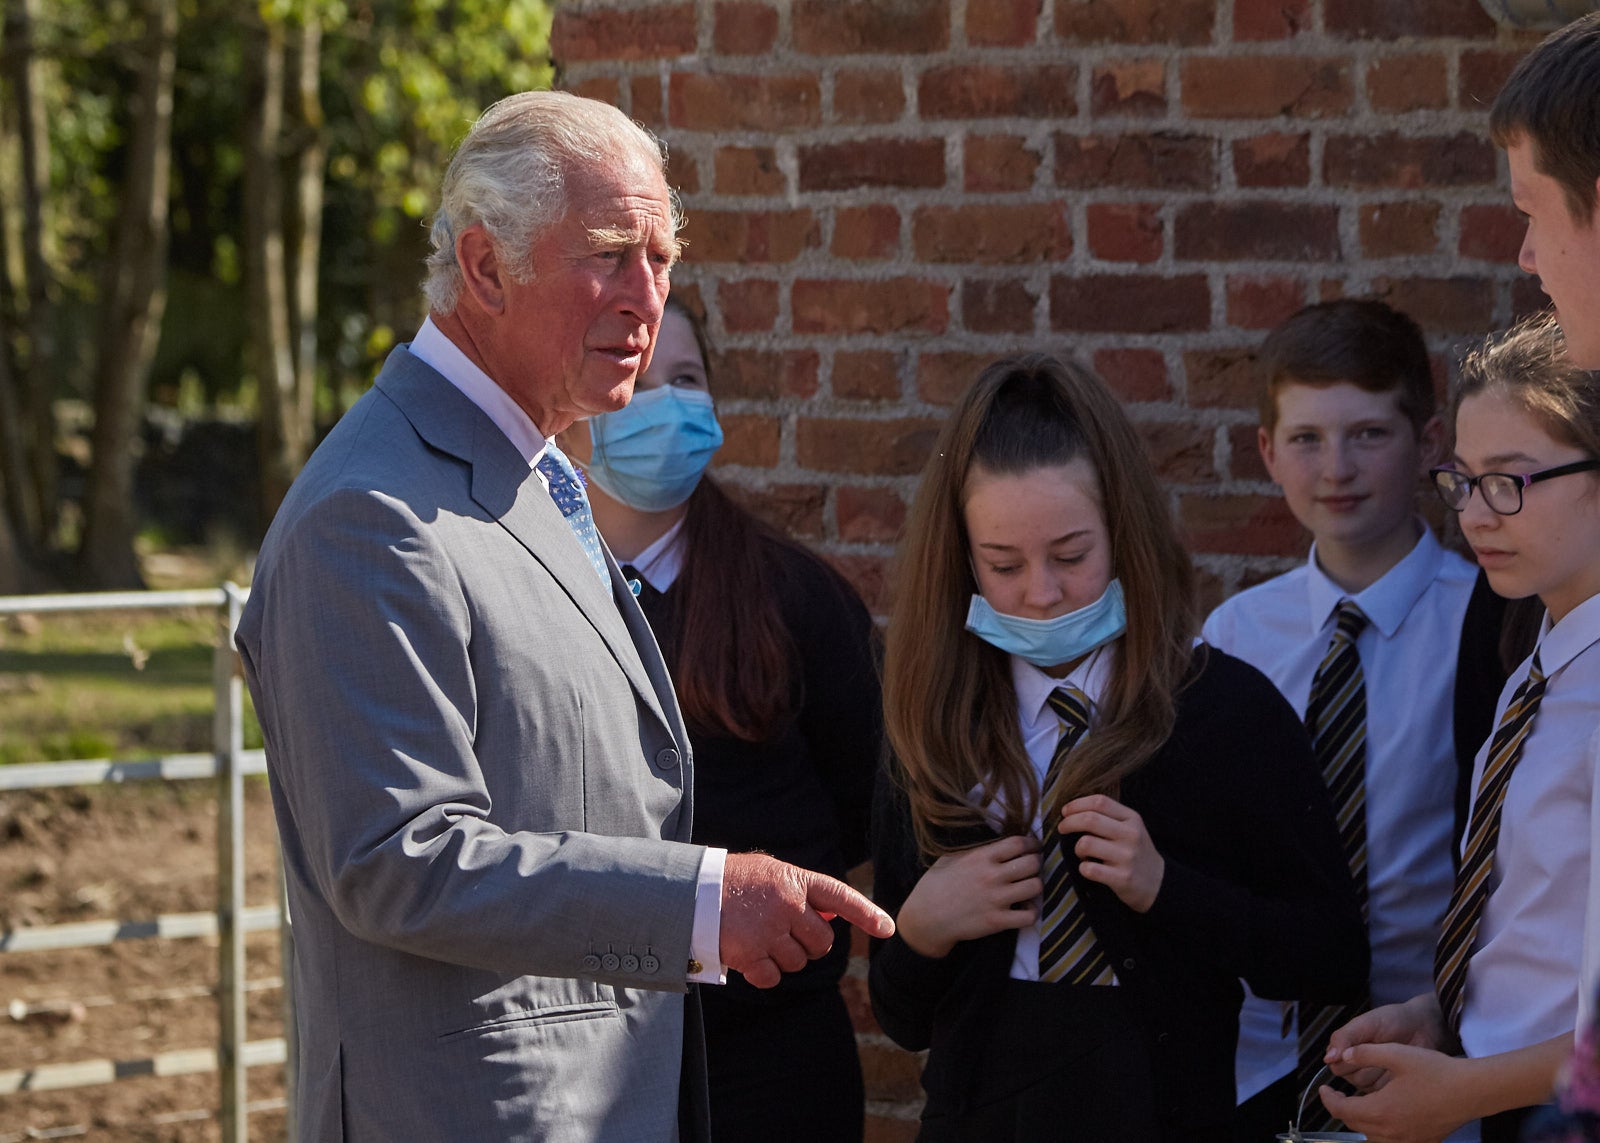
(884, 1129)
(1125, 231)
(1164, 160)
(1244, 455)
(1397, 84)
(794, 509)
(1129, 303)
(1493, 233)
(891, 1075)
(1276, 160)
(869, 575)
(1387, 20)
(748, 235)
(875, 95)
(1330, 289)
(872, 163)
(894, 447)
(1263, 302)
(658, 32)
(1248, 525)
(998, 163)
(856, 1001)
(1005, 306)
(866, 232)
(1181, 453)
(743, 102)
(1208, 589)
(1441, 305)
(868, 515)
(744, 29)
(1261, 87)
(1221, 378)
(1392, 160)
(1399, 229)
(749, 439)
(1230, 231)
(1134, 375)
(942, 377)
(1481, 76)
(894, 305)
(748, 305)
(1255, 20)
(765, 373)
(748, 171)
(605, 88)
(992, 233)
(1184, 22)
(1129, 87)
(972, 91)
(849, 27)
(1003, 23)
(866, 375)
(684, 174)
(645, 100)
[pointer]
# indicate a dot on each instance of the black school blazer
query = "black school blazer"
(1256, 887)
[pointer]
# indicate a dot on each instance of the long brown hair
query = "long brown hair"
(950, 709)
(735, 670)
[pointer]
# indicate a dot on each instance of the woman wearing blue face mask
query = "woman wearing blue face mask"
(772, 659)
(1094, 826)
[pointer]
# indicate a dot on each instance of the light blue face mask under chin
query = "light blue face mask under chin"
(651, 453)
(1050, 642)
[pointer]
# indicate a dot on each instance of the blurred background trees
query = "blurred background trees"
(212, 223)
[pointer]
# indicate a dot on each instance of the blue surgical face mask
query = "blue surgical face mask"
(651, 453)
(1051, 642)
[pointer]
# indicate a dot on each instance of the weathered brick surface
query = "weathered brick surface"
(1396, 229)
(1003, 23)
(999, 163)
(1255, 20)
(899, 306)
(1125, 231)
(1181, 22)
(966, 92)
(1129, 303)
(1276, 160)
(1129, 87)
(1409, 83)
(1217, 232)
(1163, 160)
(1264, 87)
(891, 162)
(744, 28)
(623, 33)
(1006, 233)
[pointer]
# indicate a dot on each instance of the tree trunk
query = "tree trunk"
(131, 306)
(307, 228)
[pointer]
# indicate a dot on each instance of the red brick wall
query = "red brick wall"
(884, 196)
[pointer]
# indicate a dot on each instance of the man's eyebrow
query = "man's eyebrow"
(601, 237)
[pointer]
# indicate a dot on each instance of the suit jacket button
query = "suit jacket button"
(649, 963)
(630, 963)
(610, 962)
(1130, 964)
(667, 759)
(591, 963)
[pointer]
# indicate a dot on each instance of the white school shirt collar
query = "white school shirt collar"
(444, 356)
(1034, 687)
(1560, 643)
(1388, 601)
(661, 562)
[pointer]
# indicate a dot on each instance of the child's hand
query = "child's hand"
(1115, 849)
(971, 894)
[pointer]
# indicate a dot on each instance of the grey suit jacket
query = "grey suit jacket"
(482, 783)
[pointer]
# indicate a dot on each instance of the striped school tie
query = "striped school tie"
(1068, 950)
(566, 489)
(1471, 890)
(1336, 717)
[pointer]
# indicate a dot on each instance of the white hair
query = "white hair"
(508, 176)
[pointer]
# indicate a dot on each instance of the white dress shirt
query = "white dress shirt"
(434, 349)
(662, 559)
(1041, 729)
(1408, 661)
(1523, 978)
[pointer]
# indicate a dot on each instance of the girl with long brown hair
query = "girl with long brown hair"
(772, 658)
(1093, 826)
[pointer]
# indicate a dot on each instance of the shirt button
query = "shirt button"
(611, 962)
(591, 963)
(667, 759)
(630, 963)
(649, 963)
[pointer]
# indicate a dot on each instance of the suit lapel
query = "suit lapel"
(509, 491)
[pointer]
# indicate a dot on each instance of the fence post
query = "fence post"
(229, 740)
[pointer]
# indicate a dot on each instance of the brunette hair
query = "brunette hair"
(1528, 366)
(1360, 341)
(736, 670)
(949, 705)
(1553, 100)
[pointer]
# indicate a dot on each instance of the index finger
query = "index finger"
(826, 895)
(1096, 804)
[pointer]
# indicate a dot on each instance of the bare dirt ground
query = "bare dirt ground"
(128, 853)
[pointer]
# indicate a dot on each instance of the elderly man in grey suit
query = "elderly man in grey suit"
(479, 770)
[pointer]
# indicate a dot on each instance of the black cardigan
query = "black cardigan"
(1255, 887)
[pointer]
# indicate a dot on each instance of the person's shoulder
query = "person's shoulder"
(1245, 607)
(1214, 672)
(1455, 574)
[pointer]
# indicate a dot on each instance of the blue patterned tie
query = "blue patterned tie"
(566, 489)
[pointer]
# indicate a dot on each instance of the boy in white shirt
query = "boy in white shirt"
(1348, 430)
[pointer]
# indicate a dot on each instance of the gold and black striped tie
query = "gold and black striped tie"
(1068, 950)
(1336, 717)
(1483, 832)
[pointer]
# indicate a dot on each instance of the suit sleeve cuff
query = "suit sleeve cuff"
(705, 941)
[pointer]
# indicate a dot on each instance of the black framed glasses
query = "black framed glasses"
(1502, 491)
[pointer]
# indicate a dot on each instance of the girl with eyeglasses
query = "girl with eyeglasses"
(1094, 825)
(1524, 922)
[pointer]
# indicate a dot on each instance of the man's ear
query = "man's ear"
(482, 275)
(1269, 455)
(1430, 443)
